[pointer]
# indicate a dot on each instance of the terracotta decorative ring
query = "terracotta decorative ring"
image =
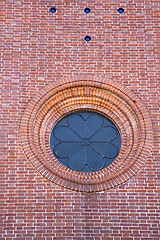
(98, 94)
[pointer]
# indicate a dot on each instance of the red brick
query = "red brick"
(40, 50)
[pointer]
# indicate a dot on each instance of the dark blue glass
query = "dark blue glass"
(120, 10)
(87, 38)
(53, 10)
(85, 141)
(87, 10)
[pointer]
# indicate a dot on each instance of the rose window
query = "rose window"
(85, 141)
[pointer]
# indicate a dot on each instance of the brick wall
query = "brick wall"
(39, 48)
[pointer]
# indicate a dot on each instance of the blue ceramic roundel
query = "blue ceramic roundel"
(87, 38)
(120, 10)
(53, 10)
(87, 10)
(85, 141)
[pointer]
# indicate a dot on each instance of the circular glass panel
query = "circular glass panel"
(87, 10)
(120, 10)
(85, 141)
(53, 10)
(87, 38)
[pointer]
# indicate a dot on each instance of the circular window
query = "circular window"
(67, 118)
(85, 141)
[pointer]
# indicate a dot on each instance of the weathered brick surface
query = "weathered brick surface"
(38, 48)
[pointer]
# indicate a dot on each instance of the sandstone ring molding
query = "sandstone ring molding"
(98, 94)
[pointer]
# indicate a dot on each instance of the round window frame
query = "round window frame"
(92, 113)
(99, 94)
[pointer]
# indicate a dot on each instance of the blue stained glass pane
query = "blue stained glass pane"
(85, 115)
(107, 161)
(86, 169)
(107, 123)
(106, 134)
(94, 159)
(64, 133)
(63, 122)
(117, 141)
(93, 124)
(77, 159)
(105, 149)
(85, 141)
(66, 149)
(64, 161)
(76, 122)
